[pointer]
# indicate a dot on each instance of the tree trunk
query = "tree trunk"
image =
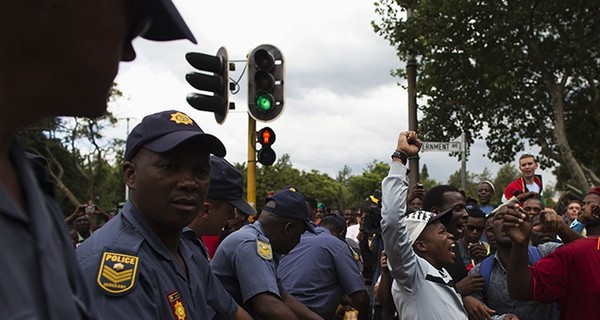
(560, 135)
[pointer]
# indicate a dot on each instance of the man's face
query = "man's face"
(84, 40)
(538, 237)
(439, 242)
(416, 203)
(528, 166)
(349, 217)
(484, 193)
(456, 201)
(573, 211)
(169, 189)
(82, 224)
(221, 211)
(489, 231)
(237, 221)
(502, 240)
(589, 209)
(319, 214)
(473, 230)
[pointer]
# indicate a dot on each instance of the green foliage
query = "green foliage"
(424, 179)
(512, 72)
(82, 163)
(362, 186)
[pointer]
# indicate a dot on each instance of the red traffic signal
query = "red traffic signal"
(266, 136)
(266, 155)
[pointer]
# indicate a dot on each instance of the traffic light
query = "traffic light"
(265, 83)
(213, 79)
(266, 154)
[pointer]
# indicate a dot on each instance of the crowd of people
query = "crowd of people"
(183, 246)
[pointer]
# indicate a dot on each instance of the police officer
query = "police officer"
(85, 40)
(246, 261)
(138, 262)
(321, 269)
(225, 194)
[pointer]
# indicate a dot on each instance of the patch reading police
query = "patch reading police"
(264, 250)
(117, 272)
(176, 305)
(181, 118)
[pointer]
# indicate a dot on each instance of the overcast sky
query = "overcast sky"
(342, 106)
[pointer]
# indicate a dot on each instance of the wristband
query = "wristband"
(400, 155)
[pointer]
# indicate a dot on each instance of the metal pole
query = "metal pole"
(411, 75)
(127, 187)
(463, 156)
(251, 174)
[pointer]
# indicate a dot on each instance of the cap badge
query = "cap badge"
(264, 250)
(117, 272)
(181, 118)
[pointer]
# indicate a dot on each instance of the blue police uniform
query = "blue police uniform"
(246, 265)
(319, 271)
(135, 275)
(40, 276)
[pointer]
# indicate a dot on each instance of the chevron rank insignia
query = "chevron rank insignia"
(264, 250)
(117, 272)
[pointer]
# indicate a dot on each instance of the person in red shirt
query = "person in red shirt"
(527, 182)
(568, 276)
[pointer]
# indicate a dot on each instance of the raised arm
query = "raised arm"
(401, 257)
(517, 226)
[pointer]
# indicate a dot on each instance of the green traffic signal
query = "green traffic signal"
(264, 102)
(265, 83)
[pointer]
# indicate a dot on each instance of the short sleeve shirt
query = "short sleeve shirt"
(40, 275)
(569, 276)
(319, 271)
(242, 270)
(133, 273)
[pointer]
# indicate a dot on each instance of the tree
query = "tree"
(82, 162)
(525, 71)
(424, 179)
(362, 186)
(505, 175)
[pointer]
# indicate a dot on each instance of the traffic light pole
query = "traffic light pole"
(251, 174)
(411, 75)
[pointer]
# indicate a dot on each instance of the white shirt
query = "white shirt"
(420, 291)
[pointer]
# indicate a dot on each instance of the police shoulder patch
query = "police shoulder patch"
(264, 250)
(117, 272)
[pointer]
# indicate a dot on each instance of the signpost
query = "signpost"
(455, 146)
(441, 146)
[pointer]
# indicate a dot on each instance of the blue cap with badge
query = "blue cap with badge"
(163, 131)
(227, 183)
(289, 203)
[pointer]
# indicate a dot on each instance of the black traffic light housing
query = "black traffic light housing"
(265, 83)
(214, 79)
(266, 154)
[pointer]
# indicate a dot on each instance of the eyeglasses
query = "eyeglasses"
(473, 228)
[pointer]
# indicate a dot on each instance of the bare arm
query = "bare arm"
(269, 306)
(241, 314)
(517, 226)
(360, 301)
(551, 221)
(384, 286)
(300, 310)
